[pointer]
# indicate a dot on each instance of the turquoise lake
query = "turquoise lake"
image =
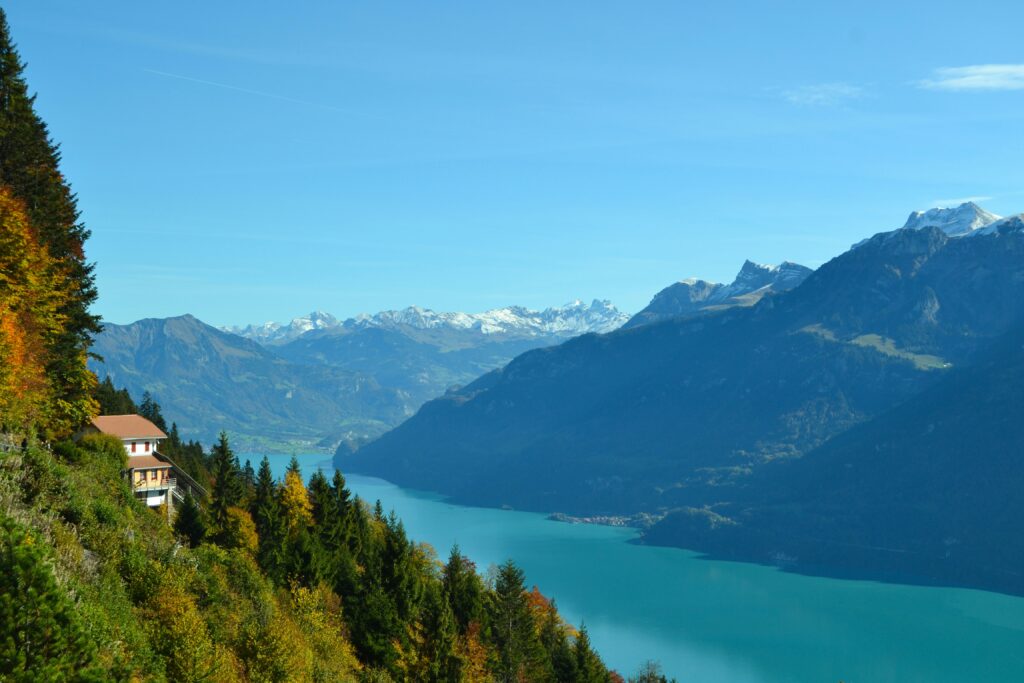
(710, 621)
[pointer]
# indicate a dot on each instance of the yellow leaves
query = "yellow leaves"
(295, 501)
(474, 655)
(182, 637)
(275, 651)
(34, 289)
(242, 531)
(317, 611)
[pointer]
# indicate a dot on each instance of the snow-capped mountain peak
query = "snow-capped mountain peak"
(954, 221)
(273, 332)
(572, 319)
(957, 221)
(1003, 225)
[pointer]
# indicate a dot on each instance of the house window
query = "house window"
(147, 446)
(152, 475)
(133, 446)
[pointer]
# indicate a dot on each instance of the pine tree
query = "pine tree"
(190, 523)
(305, 564)
(555, 641)
(512, 630)
(589, 668)
(272, 529)
(150, 410)
(271, 526)
(650, 672)
(29, 166)
(443, 663)
(463, 589)
(41, 638)
(227, 490)
(113, 401)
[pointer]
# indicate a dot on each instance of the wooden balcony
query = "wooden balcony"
(154, 484)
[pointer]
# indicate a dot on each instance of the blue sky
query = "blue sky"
(252, 161)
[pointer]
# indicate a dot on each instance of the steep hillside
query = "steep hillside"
(211, 380)
(927, 491)
(680, 412)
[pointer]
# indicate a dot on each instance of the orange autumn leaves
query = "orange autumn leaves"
(33, 294)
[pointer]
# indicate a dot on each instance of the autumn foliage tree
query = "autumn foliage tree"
(46, 283)
(30, 300)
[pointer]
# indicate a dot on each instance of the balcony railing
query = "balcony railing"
(151, 484)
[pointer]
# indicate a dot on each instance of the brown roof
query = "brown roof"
(127, 427)
(145, 462)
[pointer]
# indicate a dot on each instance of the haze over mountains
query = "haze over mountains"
(320, 380)
(747, 419)
(692, 415)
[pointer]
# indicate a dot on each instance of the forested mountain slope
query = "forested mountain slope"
(680, 412)
(927, 491)
(212, 380)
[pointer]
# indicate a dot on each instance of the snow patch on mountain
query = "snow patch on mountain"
(957, 221)
(273, 332)
(572, 319)
(1011, 223)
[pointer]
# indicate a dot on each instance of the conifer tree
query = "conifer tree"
(512, 630)
(227, 490)
(443, 663)
(150, 410)
(271, 526)
(589, 668)
(113, 401)
(41, 637)
(263, 493)
(29, 166)
(190, 523)
(555, 641)
(462, 588)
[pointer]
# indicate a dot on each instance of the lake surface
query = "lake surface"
(710, 621)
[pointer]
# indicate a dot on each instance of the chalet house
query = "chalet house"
(154, 478)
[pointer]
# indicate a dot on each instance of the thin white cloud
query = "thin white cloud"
(977, 77)
(947, 203)
(823, 94)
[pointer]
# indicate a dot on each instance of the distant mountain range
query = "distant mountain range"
(320, 380)
(208, 380)
(517, 322)
(716, 417)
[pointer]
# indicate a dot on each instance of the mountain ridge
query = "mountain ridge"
(680, 410)
(692, 296)
(571, 319)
